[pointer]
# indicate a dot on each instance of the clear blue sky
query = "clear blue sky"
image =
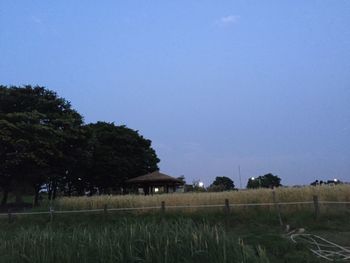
(214, 84)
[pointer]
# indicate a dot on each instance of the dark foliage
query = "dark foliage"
(117, 153)
(222, 183)
(43, 143)
(266, 181)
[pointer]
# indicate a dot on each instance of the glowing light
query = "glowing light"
(200, 184)
(253, 178)
(335, 180)
(156, 190)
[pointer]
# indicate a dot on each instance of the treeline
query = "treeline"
(44, 143)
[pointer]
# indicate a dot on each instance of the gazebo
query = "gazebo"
(152, 181)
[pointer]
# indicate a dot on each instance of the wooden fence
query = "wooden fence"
(226, 205)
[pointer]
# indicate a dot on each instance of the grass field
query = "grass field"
(154, 237)
(244, 234)
(324, 193)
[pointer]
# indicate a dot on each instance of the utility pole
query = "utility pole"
(239, 174)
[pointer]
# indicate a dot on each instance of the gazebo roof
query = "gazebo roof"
(155, 177)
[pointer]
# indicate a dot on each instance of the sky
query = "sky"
(264, 85)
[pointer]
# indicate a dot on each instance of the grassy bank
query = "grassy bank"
(199, 237)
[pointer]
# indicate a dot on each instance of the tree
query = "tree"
(43, 142)
(222, 183)
(117, 153)
(28, 149)
(182, 179)
(266, 181)
(197, 186)
(75, 163)
(35, 125)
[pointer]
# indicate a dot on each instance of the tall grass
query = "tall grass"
(197, 237)
(124, 241)
(325, 193)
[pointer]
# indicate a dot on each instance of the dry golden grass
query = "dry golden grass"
(324, 193)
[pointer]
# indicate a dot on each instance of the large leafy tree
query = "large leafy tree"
(222, 183)
(37, 129)
(43, 142)
(71, 167)
(266, 181)
(29, 147)
(117, 153)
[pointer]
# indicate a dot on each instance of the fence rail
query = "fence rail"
(163, 207)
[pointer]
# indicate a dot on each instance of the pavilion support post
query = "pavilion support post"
(146, 190)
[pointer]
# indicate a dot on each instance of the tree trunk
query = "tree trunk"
(36, 196)
(36, 199)
(49, 192)
(69, 191)
(5, 196)
(18, 194)
(54, 191)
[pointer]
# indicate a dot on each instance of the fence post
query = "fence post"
(227, 206)
(277, 206)
(10, 216)
(316, 206)
(105, 209)
(51, 213)
(162, 207)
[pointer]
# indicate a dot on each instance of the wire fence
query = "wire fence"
(317, 245)
(162, 207)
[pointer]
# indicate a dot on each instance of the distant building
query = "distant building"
(155, 182)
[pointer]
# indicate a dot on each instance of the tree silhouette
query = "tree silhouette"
(222, 183)
(266, 181)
